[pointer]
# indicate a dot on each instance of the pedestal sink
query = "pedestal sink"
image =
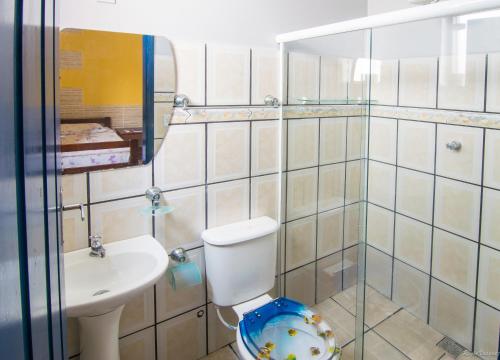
(98, 288)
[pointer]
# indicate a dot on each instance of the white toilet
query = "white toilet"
(241, 268)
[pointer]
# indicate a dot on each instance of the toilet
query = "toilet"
(241, 268)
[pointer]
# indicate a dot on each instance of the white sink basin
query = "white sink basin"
(97, 288)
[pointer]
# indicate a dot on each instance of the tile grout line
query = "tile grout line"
(433, 228)
(479, 248)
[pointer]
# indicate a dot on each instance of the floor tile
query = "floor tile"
(376, 348)
(377, 306)
(222, 354)
(347, 299)
(234, 347)
(411, 336)
(340, 320)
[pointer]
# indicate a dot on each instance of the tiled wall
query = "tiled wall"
(213, 170)
(433, 243)
(219, 164)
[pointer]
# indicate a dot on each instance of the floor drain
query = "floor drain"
(451, 347)
(100, 292)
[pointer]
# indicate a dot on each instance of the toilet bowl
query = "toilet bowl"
(240, 261)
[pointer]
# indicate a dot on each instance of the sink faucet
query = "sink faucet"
(96, 248)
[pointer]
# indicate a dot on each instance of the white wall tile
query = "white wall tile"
(491, 159)
(466, 163)
(119, 183)
(300, 242)
(490, 227)
(384, 85)
(411, 290)
(454, 261)
(74, 189)
(487, 325)
(352, 228)
(228, 147)
(330, 231)
(461, 82)
(228, 202)
(457, 207)
(303, 139)
(120, 220)
(265, 147)
(181, 159)
(138, 313)
(183, 226)
(415, 194)
(331, 186)
(358, 90)
(380, 228)
(218, 334)
(228, 75)
(355, 137)
(265, 196)
(140, 345)
(379, 271)
(416, 145)
(303, 78)
(190, 65)
(302, 196)
(334, 79)
(381, 184)
(265, 74)
(452, 313)
(171, 302)
(183, 337)
(383, 137)
(418, 82)
(350, 264)
(355, 181)
(488, 290)
(329, 277)
(75, 231)
(493, 95)
(332, 140)
(300, 284)
(413, 243)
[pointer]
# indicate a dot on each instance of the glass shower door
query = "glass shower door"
(325, 121)
(433, 249)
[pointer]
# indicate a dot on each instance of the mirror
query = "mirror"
(116, 98)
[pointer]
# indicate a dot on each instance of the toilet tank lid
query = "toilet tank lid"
(241, 231)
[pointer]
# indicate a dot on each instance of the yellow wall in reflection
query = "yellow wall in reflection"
(108, 69)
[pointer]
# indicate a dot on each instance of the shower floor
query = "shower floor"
(391, 333)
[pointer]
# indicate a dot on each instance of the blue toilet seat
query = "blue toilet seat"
(284, 329)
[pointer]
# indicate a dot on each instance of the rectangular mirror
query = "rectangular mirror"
(116, 98)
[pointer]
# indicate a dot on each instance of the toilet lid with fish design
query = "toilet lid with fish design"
(284, 329)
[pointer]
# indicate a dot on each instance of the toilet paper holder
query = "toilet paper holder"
(178, 255)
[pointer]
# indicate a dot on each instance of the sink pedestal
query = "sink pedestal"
(99, 336)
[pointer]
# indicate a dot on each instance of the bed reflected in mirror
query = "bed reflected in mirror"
(116, 98)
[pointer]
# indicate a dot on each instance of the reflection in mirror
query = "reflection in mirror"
(116, 98)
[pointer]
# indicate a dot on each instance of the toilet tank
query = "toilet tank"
(240, 260)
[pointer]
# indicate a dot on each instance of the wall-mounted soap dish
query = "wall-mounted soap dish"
(154, 194)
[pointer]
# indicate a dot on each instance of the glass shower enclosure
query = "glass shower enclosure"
(391, 181)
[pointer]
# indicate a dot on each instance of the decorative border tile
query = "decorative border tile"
(477, 119)
(215, 114)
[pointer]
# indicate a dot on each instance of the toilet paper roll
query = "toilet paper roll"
(184, 275)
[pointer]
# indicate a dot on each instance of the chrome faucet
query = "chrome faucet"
(96, 248)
